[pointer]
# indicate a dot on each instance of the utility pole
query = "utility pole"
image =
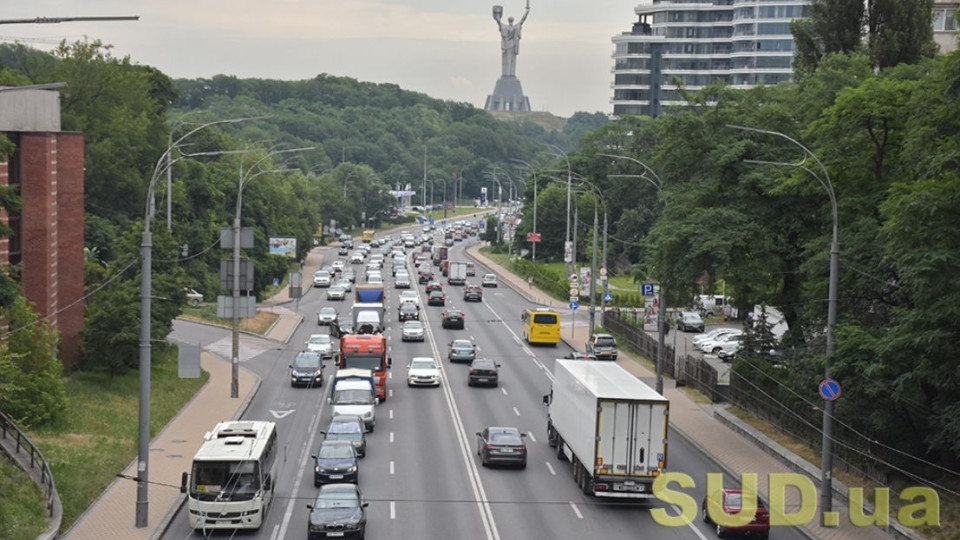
(593, 272)
(534, 247)
(604, 270)
(445, 196)
(424, 177)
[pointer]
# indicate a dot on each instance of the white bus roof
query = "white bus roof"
(235, 441)
(608, 380)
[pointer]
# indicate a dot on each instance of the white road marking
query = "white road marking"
(576, 510)
(276, 529)
(516, 411)
(296, 484)
(692, 528)
(391, 414)
(504, 390)
(391, 436)
(389, 375)
(530, 435)
(549, 466)
(393, 510)
(391, 392)
(391, 468)
(515, 338)
(528, 351)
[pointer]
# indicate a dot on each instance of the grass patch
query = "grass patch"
(96, 437)
(22, 507)
(207, 313)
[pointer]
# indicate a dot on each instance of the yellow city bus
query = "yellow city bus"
(541, 325)
(368, 236)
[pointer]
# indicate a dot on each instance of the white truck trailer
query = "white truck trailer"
(610, 425)
(457, 273)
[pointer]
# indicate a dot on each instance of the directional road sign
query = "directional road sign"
(574, 306)
(830, 389)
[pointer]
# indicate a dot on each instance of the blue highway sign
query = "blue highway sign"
(608, 297)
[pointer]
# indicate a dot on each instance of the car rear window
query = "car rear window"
(545, 318)
(606, 342)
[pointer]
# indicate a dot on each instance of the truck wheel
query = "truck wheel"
(551, 436)
(560, 455)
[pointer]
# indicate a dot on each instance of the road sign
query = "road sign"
(574, 298)
(646, 289)
(830, 389)
(574, 291)
(603, 271)
(533, 237)
(608, 297)
(574, 305)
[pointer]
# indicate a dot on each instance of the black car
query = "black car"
(336, 461)
(339, 511)
(408, 311)
(348, 428)
(472, 293)
(502, 445)
(306, 370)
(425, 277)
(453, 318)
(484, 371)
(436, 298)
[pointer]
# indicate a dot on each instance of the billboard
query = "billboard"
(283, 245)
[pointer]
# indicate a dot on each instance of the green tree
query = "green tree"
(833, 27)
(31, 385)
(900, 32)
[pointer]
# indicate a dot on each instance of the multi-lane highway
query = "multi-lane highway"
(422, 476)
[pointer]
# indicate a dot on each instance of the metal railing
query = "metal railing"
(8, 429)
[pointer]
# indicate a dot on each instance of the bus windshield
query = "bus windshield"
(225, 480)
(363, 361)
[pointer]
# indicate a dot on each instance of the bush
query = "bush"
(31, 385)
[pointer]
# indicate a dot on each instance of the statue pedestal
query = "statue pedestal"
(507, 96)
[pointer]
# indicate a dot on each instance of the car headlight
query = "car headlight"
(318, 373)
(368, 414)
(316, 469)
(352, 469)
(293, 378)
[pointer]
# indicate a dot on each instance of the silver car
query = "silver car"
(412, 331)
(336, 292)
(326, 316)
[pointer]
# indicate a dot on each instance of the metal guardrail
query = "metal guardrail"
(8, 429)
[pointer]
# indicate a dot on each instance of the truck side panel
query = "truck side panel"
(573, 412)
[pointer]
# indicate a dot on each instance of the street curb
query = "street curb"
(168, 518)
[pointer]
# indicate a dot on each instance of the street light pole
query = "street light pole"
(146, 276)
(826, 463)
(567, 245)
(593, 272)
(661, 299)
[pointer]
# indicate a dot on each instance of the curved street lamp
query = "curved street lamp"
(826, 463)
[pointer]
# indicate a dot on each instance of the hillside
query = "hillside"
(548, 121)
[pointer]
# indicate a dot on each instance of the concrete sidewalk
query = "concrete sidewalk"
(697, 423)
(112, 515)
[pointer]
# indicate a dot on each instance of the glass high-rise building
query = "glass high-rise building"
(690, 44)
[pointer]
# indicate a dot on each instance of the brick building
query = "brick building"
(47, 239)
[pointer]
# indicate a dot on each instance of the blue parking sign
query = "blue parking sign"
(646, 289)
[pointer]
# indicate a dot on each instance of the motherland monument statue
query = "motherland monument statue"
(508, 93)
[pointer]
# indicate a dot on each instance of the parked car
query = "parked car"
(193, 297)
(577, 355)
(484, 371)
(727, 342)
(335, 461)
(453, 318)
(731, 501)
(320, 343)
(423, 371)
(603, 347)
(472, 293)
(714, 334)
(489, 280)
(326, 316)
(436, 298)
(306, 370)
(322, 278)
(408, 312)
(689, 320)
(462, 350)
(411, 331)
(336, 293)
(502, 445)
(346, 427)
(339, 508)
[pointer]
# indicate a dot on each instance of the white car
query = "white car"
(320, 343)
(356, 257)
(713, 334)
(489, 280)
(193, 297)
(412, 331)
(339, 265)
(715, 345)
(410, 296)
(326, 316)
(344, 284)
(423, 371)
(336, 292)
(375, 279)
(322, 278)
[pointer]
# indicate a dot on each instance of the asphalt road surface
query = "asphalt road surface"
(422, 475)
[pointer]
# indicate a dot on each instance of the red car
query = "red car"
(731, 500)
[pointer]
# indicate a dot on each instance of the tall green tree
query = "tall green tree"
(900, 32)
(833, 27)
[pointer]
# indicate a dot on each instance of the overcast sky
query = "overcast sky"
(449, 49)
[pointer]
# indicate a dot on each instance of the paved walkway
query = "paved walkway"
(171, 451)
(697, 423)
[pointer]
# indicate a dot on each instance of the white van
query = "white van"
(711, 305)
(355, 397)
